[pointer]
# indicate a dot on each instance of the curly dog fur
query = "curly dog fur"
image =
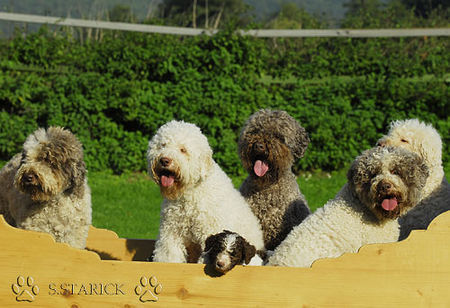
(225, 250)
(383, 184)
(425, 141)
(45, 188)
(199, 198)
(269, 144)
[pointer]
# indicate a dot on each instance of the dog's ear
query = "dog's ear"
(301, 142)
(80, 172)
(354, 172)
(413, 169)
(249, 252)
(423, 170)
(211, 241)
(206, 164)
(78, 175)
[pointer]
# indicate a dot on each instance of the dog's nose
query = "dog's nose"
(165, 161)
(29, 178)
(381, 143)
(385, 186)
(258, 147)
(220, 264)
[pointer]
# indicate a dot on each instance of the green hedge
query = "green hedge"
(114, 94)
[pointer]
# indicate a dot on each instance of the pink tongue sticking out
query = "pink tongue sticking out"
(260, 168)
(389, 204)
(166, 181)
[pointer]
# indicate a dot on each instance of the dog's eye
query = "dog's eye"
(183, 150)
(404, 141)
(163, 145)
(394, 172)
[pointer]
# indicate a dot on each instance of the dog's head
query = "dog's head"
(52, 163)
(270, 142)
(178, 156)
(417, 137)
(388, 180)
(227, 249)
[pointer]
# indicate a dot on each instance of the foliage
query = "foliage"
(394, 14)
(121, 13)
(203, 13)
(292, 17)
(426, 8)
(115, 93)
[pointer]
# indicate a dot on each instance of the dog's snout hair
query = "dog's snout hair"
(220, 263)
(384, 186)
(30, 178)
(259, 147)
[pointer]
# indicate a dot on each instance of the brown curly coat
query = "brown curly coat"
(276, 140)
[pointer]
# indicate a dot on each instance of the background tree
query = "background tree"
(210, 14)
(393, 14)
(121, 13)
(424, 8)
(362, 13)
(291, 16)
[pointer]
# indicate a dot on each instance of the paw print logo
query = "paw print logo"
(25, 289)
(148, 289)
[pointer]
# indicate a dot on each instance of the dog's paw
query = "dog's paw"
(25, 289)
(148, 289)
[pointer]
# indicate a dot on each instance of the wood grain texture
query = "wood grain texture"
(411, 273)
(109, 246)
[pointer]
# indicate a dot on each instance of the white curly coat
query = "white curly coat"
(424, 140)
(207, 203)
(342, 225)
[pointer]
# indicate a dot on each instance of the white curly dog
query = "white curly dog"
(383, 184)
(199, 198)
(424, 140)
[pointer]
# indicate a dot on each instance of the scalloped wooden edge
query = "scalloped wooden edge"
(414, 272)
(110, 247)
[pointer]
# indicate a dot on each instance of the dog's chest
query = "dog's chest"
(44, 217)
(272, 203)
(278, 208)
(190, 221)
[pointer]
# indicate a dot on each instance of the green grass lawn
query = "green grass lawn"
(129, 204)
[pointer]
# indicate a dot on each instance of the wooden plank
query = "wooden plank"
(411, 273)
(356, 33)
(109, 246)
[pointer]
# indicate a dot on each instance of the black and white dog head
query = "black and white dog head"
(226, 249)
